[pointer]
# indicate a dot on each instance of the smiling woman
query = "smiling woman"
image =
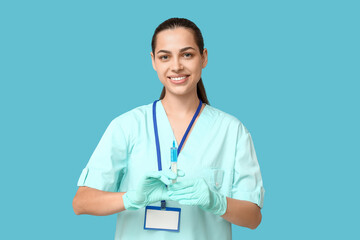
(193, 36)
(219, 182)
(178, 61)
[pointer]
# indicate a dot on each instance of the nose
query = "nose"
(176, 65)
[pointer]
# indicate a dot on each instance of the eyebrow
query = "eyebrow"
(181, 50)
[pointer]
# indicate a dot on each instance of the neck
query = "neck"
(180, 105)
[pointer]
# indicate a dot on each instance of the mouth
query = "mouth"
(178, 79)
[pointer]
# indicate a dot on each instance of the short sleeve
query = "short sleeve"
(247, 182)
(107, 164)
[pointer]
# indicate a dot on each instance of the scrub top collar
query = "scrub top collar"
(161, 114)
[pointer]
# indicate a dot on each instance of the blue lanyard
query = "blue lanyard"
(183, 138)
(163, 203)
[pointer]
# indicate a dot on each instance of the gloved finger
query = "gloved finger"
(145, 180)
(180, 173)
(165, 196)
(165, 180)
(188, 197)
(168, 173)
(163, 176)
(190, 202)
(154, 174)
(182, 191)
(181, 184)
(171, 175)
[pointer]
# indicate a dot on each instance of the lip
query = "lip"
(178, 76)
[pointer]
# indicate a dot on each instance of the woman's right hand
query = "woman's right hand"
(152, 188)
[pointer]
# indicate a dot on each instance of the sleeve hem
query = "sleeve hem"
(94, 179)
(256, 197)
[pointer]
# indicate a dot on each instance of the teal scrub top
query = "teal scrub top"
(219, 149)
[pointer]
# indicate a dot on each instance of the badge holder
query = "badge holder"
(167, 219)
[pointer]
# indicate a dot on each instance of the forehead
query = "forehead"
(175, 39)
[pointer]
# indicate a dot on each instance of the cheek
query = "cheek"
(196, 68)
(161, 69)
(161, 72)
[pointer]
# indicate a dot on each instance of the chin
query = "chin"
(181, 92)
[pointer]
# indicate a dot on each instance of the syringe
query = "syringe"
(173, 155)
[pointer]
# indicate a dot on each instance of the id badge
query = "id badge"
(167, 219)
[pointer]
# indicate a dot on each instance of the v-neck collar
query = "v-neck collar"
(194, 127)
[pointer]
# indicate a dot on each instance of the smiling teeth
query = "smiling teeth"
(178, 78)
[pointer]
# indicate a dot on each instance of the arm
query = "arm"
(100, 203)
(242, 213)
(96, 202)
(196, 192)
(247, 184)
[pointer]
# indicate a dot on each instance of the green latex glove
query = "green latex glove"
(150, 189)
(196, 192)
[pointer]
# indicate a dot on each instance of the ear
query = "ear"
(153, 60)
(204, 58)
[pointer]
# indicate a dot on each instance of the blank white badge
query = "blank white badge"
(167, 219)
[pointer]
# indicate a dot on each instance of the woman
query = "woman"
(220, 182)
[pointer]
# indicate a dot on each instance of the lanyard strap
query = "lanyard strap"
(157, 142)
(189, 127)
(158, 152)
(156, 137)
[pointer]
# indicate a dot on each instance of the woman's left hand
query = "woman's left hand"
(196, 192)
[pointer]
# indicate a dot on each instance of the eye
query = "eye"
(187, 55)
(164, 57)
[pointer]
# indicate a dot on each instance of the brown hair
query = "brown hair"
(173, 23)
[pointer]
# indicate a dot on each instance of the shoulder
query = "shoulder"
(223, 117)
(226, 121)
(129, 124)
(134, 116)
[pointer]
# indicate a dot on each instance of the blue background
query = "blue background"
(289, 70)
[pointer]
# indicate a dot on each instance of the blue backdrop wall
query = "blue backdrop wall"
(289, 70)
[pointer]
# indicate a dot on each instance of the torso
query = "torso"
(208, 153)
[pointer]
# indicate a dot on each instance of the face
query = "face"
(178, 61)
